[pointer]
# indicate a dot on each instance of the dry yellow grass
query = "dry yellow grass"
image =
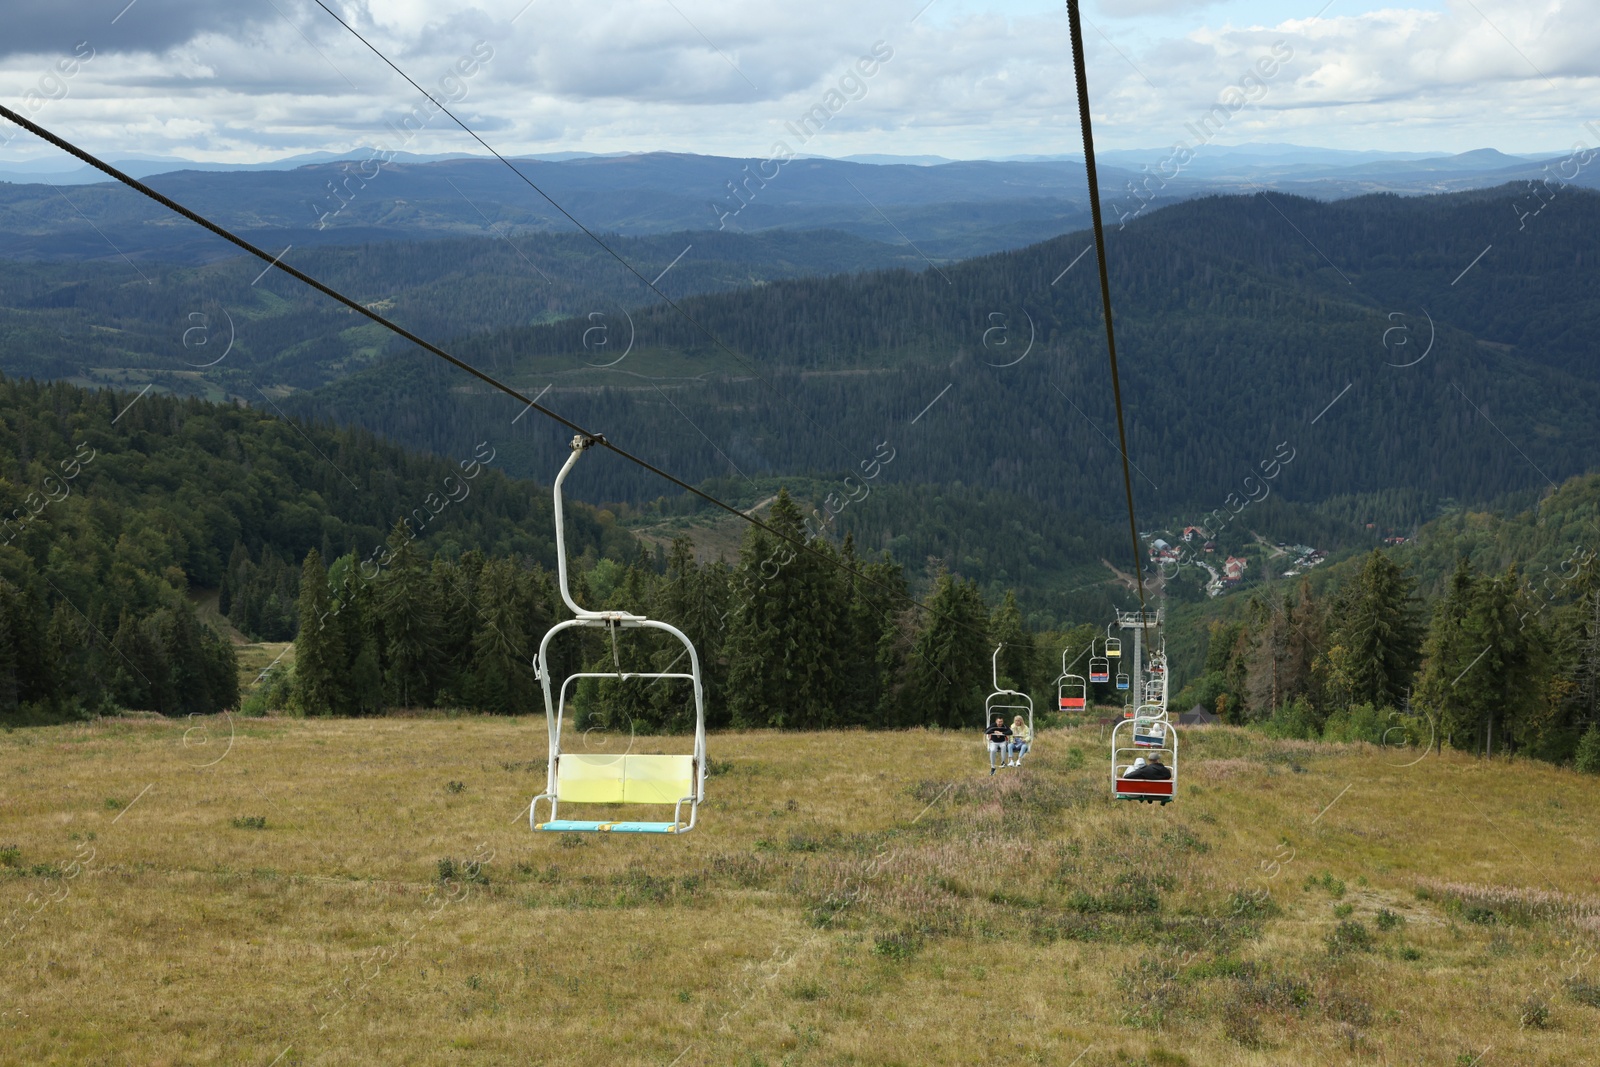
(849, 899)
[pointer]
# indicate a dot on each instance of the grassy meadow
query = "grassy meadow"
(279, 891)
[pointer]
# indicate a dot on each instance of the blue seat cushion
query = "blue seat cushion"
(644, 827)
(573, 826)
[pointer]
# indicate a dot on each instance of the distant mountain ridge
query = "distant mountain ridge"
(944, 210)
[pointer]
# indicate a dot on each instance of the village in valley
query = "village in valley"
(1226, 564)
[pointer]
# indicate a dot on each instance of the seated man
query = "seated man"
(999, 736)
(1154, 769)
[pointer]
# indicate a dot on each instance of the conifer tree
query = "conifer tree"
(695, 598)
(320, 661)
(949, 665)
(407, 621)
(789, 616)
(1018, 656)
(500, 675)
(1375, 622)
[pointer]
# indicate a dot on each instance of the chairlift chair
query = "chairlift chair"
(1128, 742)
(996, 706)
(1150, 711)
(1149, 733)
(1122, 680)
(1072, 693)
(629, 778)
(1114, 647)
(1099, 670)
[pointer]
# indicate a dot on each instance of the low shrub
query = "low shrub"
(1240, 1024)
(1294, 721)
(1349, 936)
(1587, 758)
(901, 945)
(1325, 880)
(807, 989)
(1362, 722)
(1252, 904)
(1584, 992)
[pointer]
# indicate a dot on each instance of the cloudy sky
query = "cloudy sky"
(254, 80)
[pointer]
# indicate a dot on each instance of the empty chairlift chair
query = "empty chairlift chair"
(630, 778)
(1072, 693)
(1099, 670)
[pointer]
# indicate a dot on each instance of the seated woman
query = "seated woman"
(1021, 741)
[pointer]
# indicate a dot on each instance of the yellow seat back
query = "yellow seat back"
(612, 779)
(658, 779)
(590, 778)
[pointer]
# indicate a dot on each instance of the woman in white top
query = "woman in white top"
(1021, 741)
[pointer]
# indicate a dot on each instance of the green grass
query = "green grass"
(322, 889)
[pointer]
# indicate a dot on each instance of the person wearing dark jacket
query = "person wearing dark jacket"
(999, 737)
(1154, 769)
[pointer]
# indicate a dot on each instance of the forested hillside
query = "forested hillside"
(1249, 327)
(1402, 366)
(222, 330)
(114, 507)
(1482, 633)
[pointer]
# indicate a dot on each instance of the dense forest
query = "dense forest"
(115, 508)
(166, 322)
(1250, 327)
(1238, 337)
(785, 638)
(1483, 634)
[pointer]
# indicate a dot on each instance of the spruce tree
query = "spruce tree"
(695, 598)
(320, 662)
(878, 599)
(1018, 656)
(500, 673)
(788, 620)
(948, 666)
(1376, 623)
(407, 622)
(1450, 655)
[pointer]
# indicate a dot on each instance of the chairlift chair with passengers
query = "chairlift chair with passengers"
(630, 778)
(995, 707)
(1138, 739)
